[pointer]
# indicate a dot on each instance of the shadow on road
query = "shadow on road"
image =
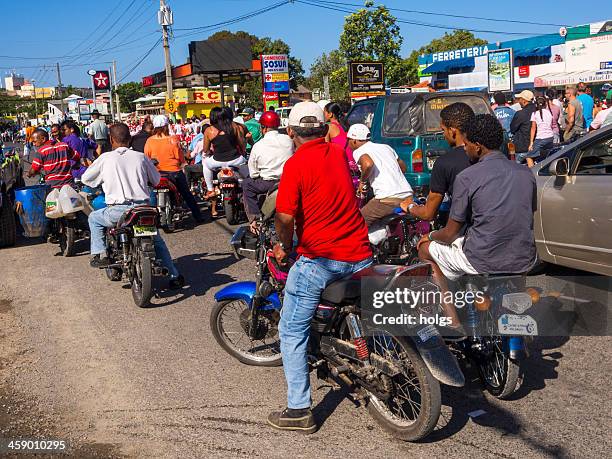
(202, 272)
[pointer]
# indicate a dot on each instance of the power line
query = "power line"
(417, 23)
(126, 74)
(432, 13)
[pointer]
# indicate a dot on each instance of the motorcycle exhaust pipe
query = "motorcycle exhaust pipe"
(161, 200)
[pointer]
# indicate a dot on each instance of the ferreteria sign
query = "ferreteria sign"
(474, 51)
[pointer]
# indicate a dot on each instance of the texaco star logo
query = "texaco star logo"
(101, 80)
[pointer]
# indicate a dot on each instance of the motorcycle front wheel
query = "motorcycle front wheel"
(413, 410)
(230, 323)
(142, 290)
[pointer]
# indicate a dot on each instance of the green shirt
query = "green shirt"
(255, 129)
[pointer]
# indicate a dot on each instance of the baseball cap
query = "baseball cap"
(239, 120)
(322, 103)
(302, 110)
(358, 132)
(247, 111)
(160, 121)
(526, 94)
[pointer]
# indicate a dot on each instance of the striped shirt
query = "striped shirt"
(53, 160)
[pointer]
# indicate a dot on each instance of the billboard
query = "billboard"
(275, 72)
(220, 56)
(588, 53)
(500, 70)
(367, 77)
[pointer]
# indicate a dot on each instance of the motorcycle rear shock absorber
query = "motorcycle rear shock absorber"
(472, 313)
(361, 346)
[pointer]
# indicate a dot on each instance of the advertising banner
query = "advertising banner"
(367, 77)
(270, 100)
(588, 53)
(500, 70)
(275, 72)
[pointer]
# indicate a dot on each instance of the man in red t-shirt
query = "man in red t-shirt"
(316, 198)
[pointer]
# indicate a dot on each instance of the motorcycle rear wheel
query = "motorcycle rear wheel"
(231, 213)
(263, 352)
(67, 238)
(142, 290)
(414, 408)
(500, 375)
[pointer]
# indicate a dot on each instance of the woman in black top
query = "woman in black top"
(225, 145)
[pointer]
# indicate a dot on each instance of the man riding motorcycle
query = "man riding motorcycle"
(265, 163)
(453, 121)
(382, 168)
(496, 199)
(124, 175)
(315, 198)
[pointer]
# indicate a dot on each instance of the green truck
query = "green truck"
(410, 123)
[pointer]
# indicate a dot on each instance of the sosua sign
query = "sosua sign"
(275, 70)
(474, 51)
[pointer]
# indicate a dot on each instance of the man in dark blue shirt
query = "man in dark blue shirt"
(496, 199)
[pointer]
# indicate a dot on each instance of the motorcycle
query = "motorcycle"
(397, 377)
(394, 238)
(169, 203)
(228, 186)
(130, 248)
(488, 344)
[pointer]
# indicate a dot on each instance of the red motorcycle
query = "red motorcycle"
(169, 203)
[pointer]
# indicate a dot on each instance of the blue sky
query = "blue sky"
(41, 33)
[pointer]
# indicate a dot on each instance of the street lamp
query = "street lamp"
(35, 101)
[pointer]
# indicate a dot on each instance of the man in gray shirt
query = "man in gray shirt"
(99, 132)
(496, 199)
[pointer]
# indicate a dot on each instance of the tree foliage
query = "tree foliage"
(334, 66)
(373, 34)
(449, 41)
(129, 92)
(264, 45)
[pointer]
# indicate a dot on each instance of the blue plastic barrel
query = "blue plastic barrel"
(32, 217)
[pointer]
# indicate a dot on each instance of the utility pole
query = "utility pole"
(35, 101)
(59, 88)
(165, 19)
(116, 93)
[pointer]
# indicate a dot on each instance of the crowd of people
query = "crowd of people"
(489, 229)
(536, 123)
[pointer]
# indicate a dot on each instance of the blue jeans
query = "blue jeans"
(108, 217)
(538, 146)
(306, 281)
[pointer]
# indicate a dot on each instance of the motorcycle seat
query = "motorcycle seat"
(131, 215)
(340, 290)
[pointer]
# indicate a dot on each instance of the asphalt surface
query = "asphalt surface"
(79, 361)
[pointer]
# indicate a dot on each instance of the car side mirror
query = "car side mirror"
(559, 167)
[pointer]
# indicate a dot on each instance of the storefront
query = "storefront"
(576, 52)
(197, 101)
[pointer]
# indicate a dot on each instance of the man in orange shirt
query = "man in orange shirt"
(29, 131)
(167, 151)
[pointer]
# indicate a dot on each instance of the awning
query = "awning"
(543, 51)
(565, 78)
(447, 66)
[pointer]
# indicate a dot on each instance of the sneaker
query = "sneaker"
(99, 262)
(301, 421)
(176, 282)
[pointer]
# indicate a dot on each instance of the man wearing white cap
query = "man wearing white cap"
(382, 168)
(520, 126)
(315, 198)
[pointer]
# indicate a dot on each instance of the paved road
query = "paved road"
(79, 360)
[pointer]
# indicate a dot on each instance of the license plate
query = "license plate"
(518, 325)
(140, 231)
(431, 161)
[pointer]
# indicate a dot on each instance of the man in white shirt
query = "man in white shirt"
(604, 117)
(382, 168)
(266, 163)
(124, 175)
